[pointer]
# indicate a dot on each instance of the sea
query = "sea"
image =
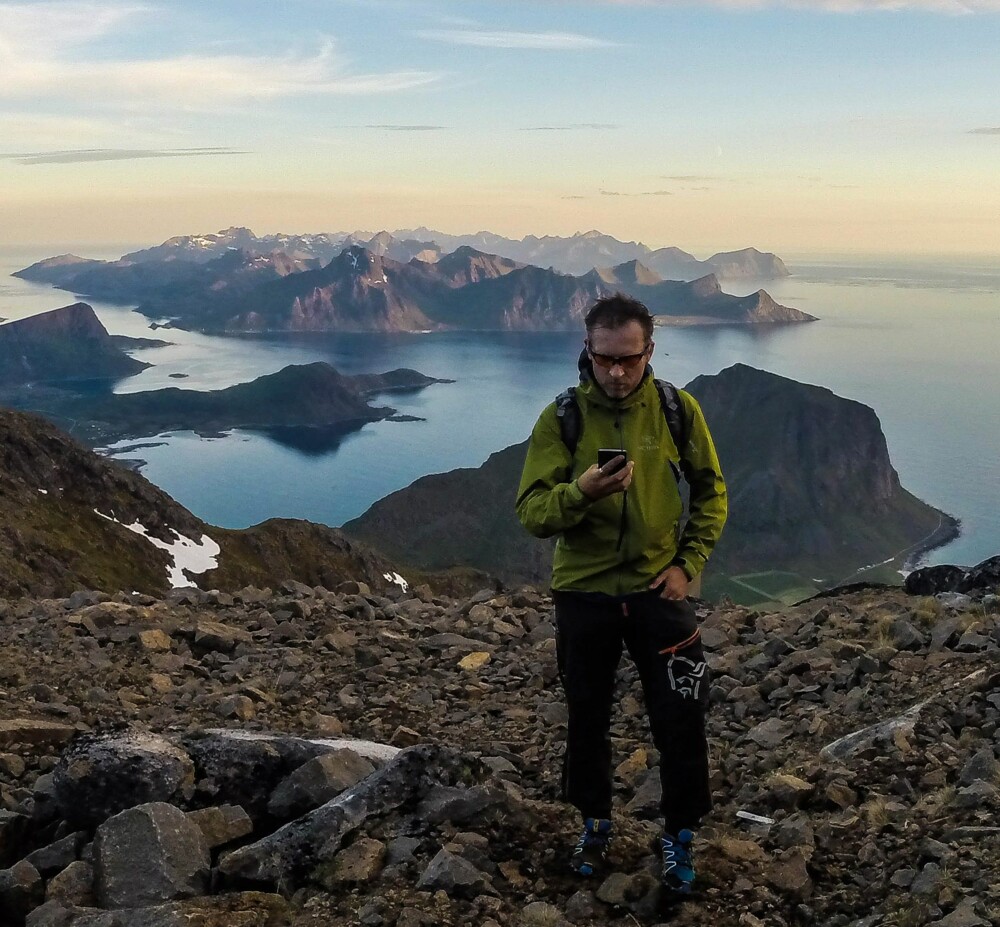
(916, 338)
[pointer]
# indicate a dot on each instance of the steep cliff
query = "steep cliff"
(812, 492)
(65, 344)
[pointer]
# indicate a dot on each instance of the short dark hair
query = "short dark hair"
(618, 310)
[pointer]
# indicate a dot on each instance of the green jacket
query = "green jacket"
(587, 556)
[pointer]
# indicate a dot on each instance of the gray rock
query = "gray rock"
(13, 827)
(245, 767)
(454, 875)
(222, 824)
(541, 914)
(981, 765)
(21, 890)
(979, 795)
(34, 733)
(211, 635)
(927, 882)
(401, 850)
(963, 916)
(294, 850)
(149, 854)
(954, 600)
(73, 886)
(905, 636)
(945, 633)
(360, 862)
(983, 577)
(98, 776)
(770, 733)
(455, 804)
(316, 781)
(581, 907)
(645, 803)
(851, 743)
(57, 856)
(934, 579)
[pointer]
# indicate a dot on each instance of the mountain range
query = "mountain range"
(45, 357)
(812, 493)
(362, 290)
(575, 254)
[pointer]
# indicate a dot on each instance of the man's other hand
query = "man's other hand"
(674, 583)
(596, 483)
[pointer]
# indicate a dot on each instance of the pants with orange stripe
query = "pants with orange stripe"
(663, 641)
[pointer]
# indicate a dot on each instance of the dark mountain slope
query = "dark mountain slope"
(65, 344)
(811, 486)
(53, 541)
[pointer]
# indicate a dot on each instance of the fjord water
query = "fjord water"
(916, 339)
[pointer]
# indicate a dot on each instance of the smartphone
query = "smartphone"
(606, 454)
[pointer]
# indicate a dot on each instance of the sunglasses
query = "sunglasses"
(625, 361)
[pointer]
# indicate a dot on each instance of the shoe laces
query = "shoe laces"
(677, 850)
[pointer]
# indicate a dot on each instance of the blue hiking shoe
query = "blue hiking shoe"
(591, 849)
(677, 874)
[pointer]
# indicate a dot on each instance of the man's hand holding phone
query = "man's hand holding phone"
(611, 474)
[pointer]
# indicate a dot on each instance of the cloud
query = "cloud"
(81, 155)
(954, 7)
(405, 128)
(645, 193)
(43, 53)
(986, 130)
(571, 127)
(546, 41)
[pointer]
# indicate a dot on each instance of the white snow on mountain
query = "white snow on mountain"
(188, 556)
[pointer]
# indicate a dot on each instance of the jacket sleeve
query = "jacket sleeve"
(709, 504)
(549, 500)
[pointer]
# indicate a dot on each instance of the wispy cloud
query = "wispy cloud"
(572, 127)
(644, 193)
(954, 7)
(40, 57)
(986, 130)
(81, 155)
(405, 128)
(545, 41)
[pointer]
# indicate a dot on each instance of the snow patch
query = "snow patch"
(188, 556)
(397, 579)
(44, 492)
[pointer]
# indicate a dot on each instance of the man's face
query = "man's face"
(627, 352)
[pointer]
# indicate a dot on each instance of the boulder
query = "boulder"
(100, 775)
(149, 854)
(317, 781)
(222, 824)
(454, 875)
(21, 890)
(34, 733)
(298, 848)
(983, 577)
(934, 579)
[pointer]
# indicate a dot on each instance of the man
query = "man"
(620, 576)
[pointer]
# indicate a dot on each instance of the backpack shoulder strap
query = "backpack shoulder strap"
(673, 412)
(568, 415)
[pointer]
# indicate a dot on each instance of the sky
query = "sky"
(795, 126)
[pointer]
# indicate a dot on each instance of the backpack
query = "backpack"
(570, 423)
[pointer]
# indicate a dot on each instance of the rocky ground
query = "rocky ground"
(111, 701)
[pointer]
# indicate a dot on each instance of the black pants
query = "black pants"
(591, 630)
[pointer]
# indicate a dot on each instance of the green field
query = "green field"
(773, 586)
